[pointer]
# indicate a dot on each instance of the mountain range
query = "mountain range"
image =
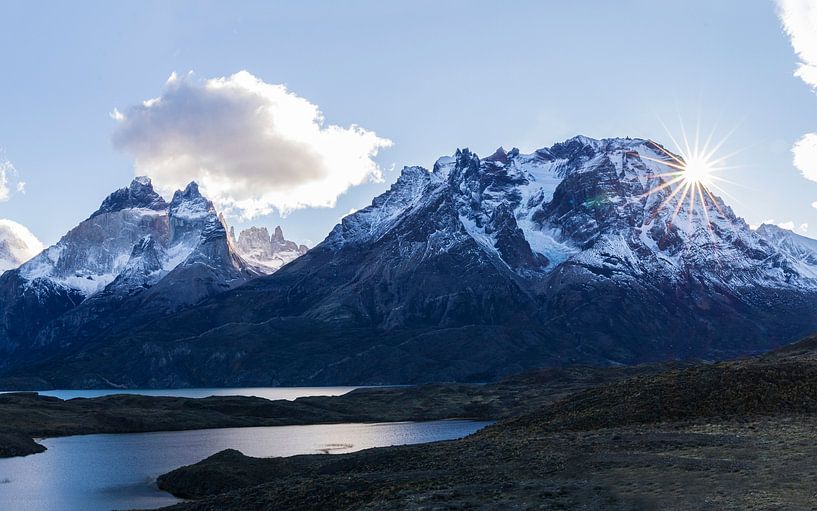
(135, 258)
(474, 269)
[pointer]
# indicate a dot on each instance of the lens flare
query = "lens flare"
(691, 175)
(697, 171)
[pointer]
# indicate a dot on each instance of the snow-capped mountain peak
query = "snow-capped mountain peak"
(265, 251)
(800, 251)
(137, 251)
(131, 223)
(571, 254)
(189, 205)
(138, 195)
(602, 205)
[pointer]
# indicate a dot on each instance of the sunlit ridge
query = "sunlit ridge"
(691, 175)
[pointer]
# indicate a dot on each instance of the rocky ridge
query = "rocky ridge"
(137, 256)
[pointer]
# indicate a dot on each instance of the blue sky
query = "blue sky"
(428, 76)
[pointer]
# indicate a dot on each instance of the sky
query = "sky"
(296, 113)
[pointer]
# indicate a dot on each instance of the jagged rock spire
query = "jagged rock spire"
(139, 194)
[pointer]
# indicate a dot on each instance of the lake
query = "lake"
(273, 393)
(103, 472)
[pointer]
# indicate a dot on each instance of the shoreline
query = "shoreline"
(732, 436)
(625, 438)
(134, 413)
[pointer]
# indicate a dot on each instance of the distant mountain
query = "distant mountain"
(573, 254)
(17, 245)
(799, 250)
(135, 258)
(266, 252)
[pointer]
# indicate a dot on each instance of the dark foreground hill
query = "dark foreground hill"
(729, 436)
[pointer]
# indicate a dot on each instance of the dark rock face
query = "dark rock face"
(139, 194)
(511, 243)
(15, 444)
(27, 306)
(481, 268)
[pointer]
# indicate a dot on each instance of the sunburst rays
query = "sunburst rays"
(691, 174)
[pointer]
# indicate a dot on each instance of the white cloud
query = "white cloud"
(799, 19)
(805, 155)
(5, 192)
(17, 244)
(9, 182)
(252, 146)
(801, 228)
(351, 211)
(116, 115)
(790, 225)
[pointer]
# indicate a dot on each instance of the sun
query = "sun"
(690, 175)
(697, 171)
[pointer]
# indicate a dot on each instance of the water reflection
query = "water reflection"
(288, 393)
(102, 472)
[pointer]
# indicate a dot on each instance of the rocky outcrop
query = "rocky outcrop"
(267, 252)
(135, 258)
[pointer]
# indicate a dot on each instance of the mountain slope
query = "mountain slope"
(136, 257)
(484, 267)
(802, 251)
